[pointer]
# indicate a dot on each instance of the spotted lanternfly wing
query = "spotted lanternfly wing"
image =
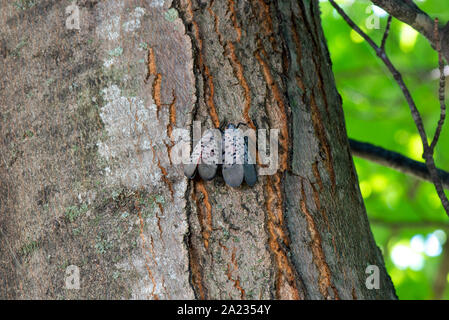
(233, 156)
(195, 157)
(233, 150)
(210, 156)
(233, 175)
(205, 157)
(249, 166)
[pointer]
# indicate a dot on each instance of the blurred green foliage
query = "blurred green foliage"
(399, 207)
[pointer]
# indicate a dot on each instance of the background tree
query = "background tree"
(87, 117)
(406, 215)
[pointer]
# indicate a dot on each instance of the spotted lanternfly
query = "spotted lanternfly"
(238, 164)
(236, 161)
(205, 158)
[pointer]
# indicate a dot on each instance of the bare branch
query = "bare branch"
(396, 161)
(356, 27)
(428, 152)
(409, 13)
(387, 31)
(410, 224)
(441, 95)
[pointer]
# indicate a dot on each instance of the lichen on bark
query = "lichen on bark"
(86, 178)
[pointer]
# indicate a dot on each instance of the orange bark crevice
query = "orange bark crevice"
(324, 280)
(216, 24)
(266, 21)
(354, 295)
(157, 82)
(165, 176)
(157, 86)
(196, 274)
(317, 175)
(231, 6)
(238, 69)
(161, 208)
(172, 116)
(316, 198)
(151, 64)
(280, 103)
(145, 249)
(205, 220)
(229, 275)
(171, 124)
(266, 17)
(155, 156)
(209, 98)
(286, 287)
(300, 83)
(222, 246)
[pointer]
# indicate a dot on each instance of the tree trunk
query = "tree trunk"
(86, 179)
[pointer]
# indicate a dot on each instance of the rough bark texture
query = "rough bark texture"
(85, 177)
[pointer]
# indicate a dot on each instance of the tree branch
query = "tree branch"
(386, 33)
(396, 161)
(410, 224)
(441, 93)
(428, 151)
(409, 13)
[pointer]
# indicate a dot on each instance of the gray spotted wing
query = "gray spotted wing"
(190, 168)
(233, 175)
(233, 156)
(207, 171)
(210, 154)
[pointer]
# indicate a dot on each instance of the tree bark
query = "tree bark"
(87, 118)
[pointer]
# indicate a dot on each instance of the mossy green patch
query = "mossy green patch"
(74, 212)
(171, 15)
(29, 247)
(24, 4)
(116, 52)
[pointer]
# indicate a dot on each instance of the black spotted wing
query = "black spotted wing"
(233, 156)
(249, 165)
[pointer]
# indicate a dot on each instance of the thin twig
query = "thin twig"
(386, 33)
(441, 93)
(428, 152)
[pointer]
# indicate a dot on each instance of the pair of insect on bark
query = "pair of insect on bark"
(231, 152)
